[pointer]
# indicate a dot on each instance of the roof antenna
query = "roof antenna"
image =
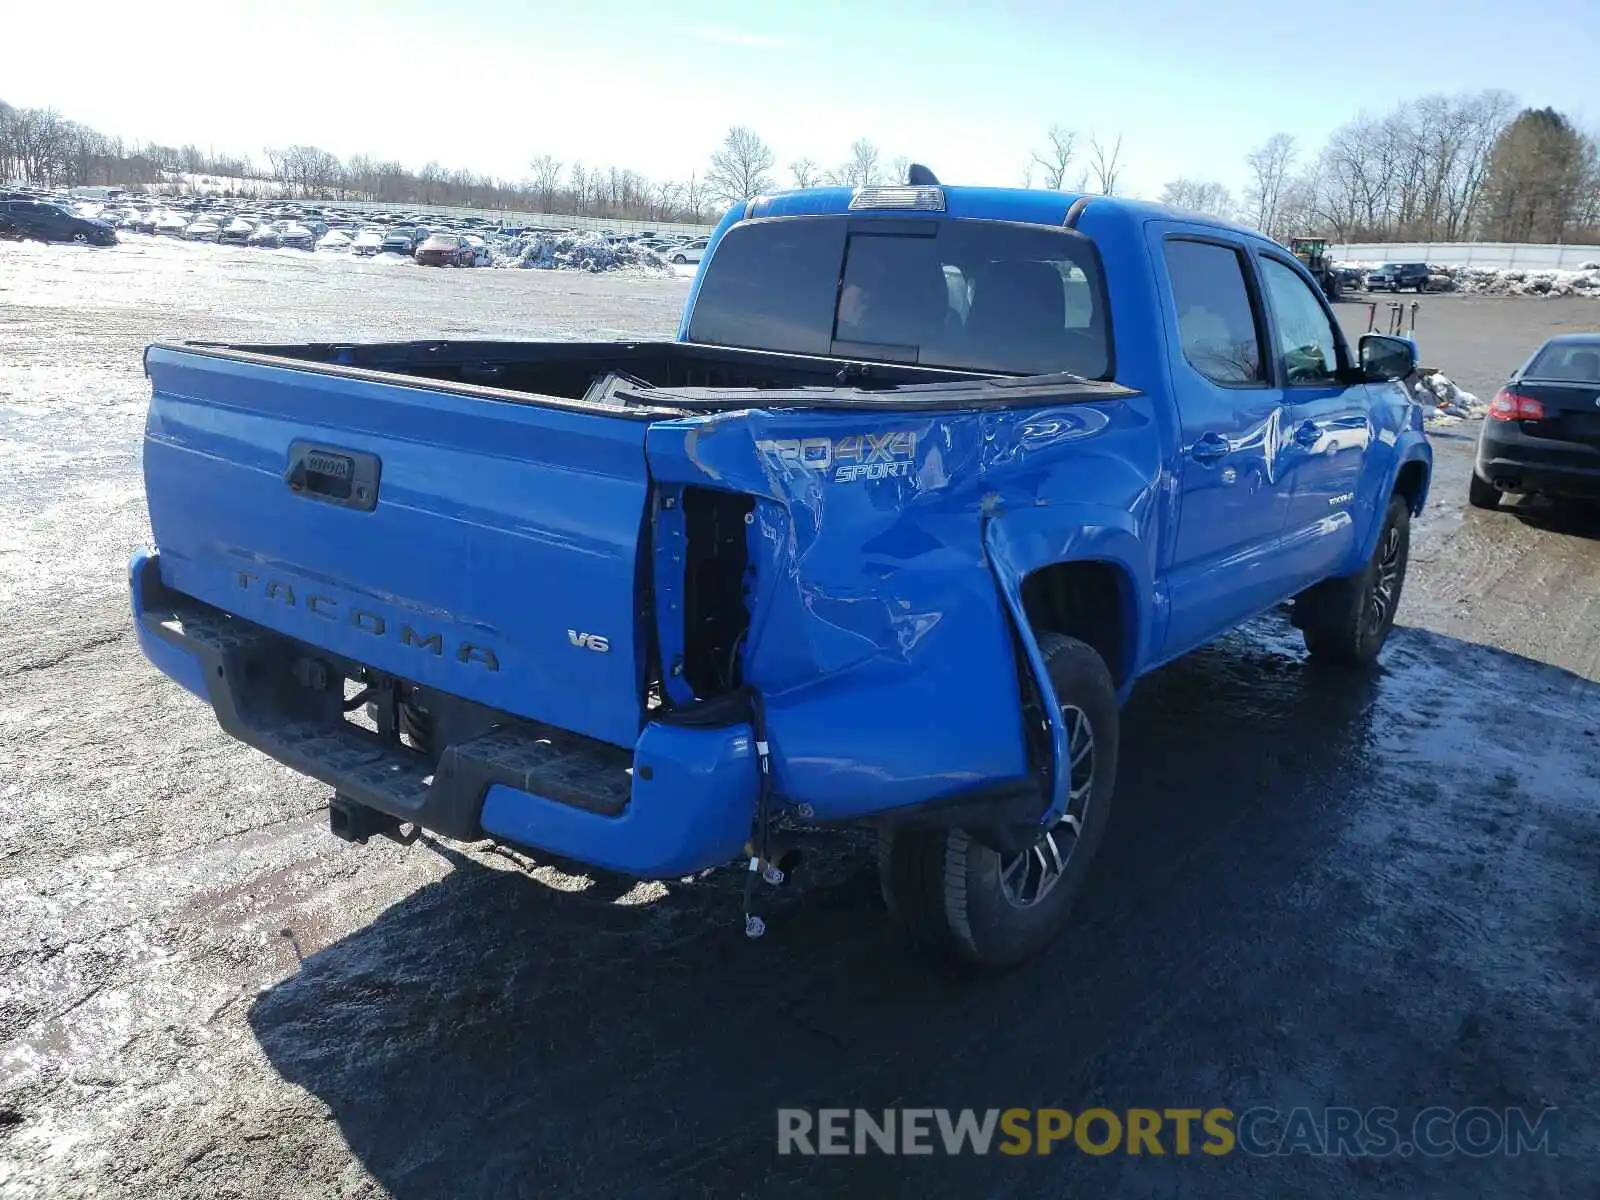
(919, 176)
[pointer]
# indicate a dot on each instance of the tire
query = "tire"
(1481, 493)
(679, 259)
(945, 890)
(1346, 621)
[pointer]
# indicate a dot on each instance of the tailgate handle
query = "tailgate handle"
(334, 476)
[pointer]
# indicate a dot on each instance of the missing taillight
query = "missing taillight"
(716, 580)
(1509, 405)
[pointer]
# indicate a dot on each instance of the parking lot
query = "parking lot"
(1316, 890)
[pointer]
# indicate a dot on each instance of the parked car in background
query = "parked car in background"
(1391, 277)
(368, 241)
(237, 231)
(691, 251)
(145, 222)
(1543, 430)
(203, 230)
(444, 250)
(335, 240)
(40, 221)
(265, 236)
(295, 236)
(1351, 279)
(480, 251)
(402, 239)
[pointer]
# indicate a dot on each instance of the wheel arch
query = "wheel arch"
(1412, 481)
(1080, 571)
(1091, 599)
(1408, 473)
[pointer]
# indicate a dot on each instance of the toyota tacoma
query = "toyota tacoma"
(928, 478)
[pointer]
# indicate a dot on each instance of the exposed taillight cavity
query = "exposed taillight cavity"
(1508, 405)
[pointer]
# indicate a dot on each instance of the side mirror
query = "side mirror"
(1385, 359)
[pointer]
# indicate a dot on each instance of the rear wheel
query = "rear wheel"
(958, 899)
(1348, 620)
(1481, 493)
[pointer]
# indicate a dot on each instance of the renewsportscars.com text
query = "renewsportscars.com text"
(1320, 1132)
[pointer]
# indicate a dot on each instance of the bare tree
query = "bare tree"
(694, 197)
(1199, 195)
(863, 168)
(1105, 162)
(806, 173)
(739, 168)
(278, 165)
(578, 187)
(1056, 159)
(546, 177)
(899, 169)
(1269, 165)
(667, 201)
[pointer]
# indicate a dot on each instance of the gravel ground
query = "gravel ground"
(1317, 890)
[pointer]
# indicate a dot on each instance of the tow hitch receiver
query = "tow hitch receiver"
(354, 822)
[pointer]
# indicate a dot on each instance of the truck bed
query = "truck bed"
(651, 379)
(583, 371)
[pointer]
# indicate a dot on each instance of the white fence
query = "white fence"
(1469, 254)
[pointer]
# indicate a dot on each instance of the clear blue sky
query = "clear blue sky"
(969, 89)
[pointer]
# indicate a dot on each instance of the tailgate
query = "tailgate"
(482, 546)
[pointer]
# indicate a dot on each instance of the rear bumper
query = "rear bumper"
(689, 804)
(1518, 462)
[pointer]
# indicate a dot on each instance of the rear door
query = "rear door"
(481, 546)
(1233, 500)
(1327, 420)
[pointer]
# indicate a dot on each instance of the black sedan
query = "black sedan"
(51, 223)
(1391, 277)
(1543, 430)
(403, 239)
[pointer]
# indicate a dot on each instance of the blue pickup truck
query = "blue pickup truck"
(929, 477)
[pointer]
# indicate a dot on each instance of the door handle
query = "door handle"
(1213, 447)
(1307, 434)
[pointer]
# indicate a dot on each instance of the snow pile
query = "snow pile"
(1584, 280)
(1517, 281)
(575, 251)
(1443, 402)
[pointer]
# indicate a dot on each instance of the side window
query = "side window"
(1306, 345)
(1216, 323)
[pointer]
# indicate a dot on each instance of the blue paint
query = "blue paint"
(884, 611)
(694, 811)
(172, 661)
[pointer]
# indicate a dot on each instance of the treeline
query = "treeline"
(1442, 168)
(42, 147)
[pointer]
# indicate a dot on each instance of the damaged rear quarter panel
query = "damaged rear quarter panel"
(879, 638)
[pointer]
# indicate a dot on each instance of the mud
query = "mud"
(1317, 889)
